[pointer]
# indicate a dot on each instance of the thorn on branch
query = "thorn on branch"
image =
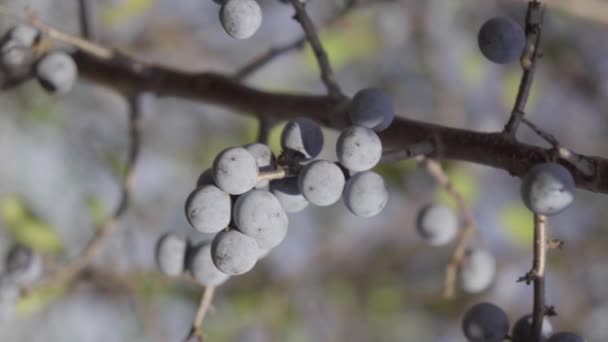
(555, 244)
(550, 311)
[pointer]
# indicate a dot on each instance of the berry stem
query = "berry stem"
(203, 308)
(466, 233)
(538, 272)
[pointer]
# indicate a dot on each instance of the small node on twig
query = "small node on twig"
(550, 311)
(555, 244)
(528, 278)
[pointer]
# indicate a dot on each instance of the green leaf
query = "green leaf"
(27, 229)
(13, 210)
(38, 300)
(37, 235)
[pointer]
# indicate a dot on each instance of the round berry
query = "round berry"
(437, 224)
(548, 189)
(57, 72)
(501, 40)
(302, 138)
(170, 254)
(288, 193)
(485, 322)
(202, 268)
(365, 194)
(208, 209)
(321, 182)
(259, 214)
(23, 265)
(241, 18)
(478, 271)
(372, 108)
(233, 252)
(522, 330)
(358, 148)
(235, 170)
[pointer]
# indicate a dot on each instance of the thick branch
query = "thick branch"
(491, 149)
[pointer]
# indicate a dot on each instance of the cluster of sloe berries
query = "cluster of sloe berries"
(486, 322)
(21, 59)
(245, 196)
(22, 266)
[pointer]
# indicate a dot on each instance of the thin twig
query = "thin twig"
(546, 136)
(265, 58)
(69, 271)
(580, 163)
(534, 21)
(538, 274)
(466, 233)
(420, 149)
(203, 308)
(265, 126)
(327, 74)
(85, 14)
(298, 43)
(83, 44)
(279, 173)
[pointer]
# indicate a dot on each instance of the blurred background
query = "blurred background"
(336, 277)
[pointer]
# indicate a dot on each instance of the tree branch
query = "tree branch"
(85, 14)
(534, 20)
(327, 74)
(466, 233)
(110, 68)
(67, 272)
(124, 73)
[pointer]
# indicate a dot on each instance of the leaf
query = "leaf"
(27, 229)
(38, 300)
(37, 235)
(13, 210)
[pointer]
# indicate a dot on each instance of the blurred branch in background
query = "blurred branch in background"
(66, 273)
(596, 10)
